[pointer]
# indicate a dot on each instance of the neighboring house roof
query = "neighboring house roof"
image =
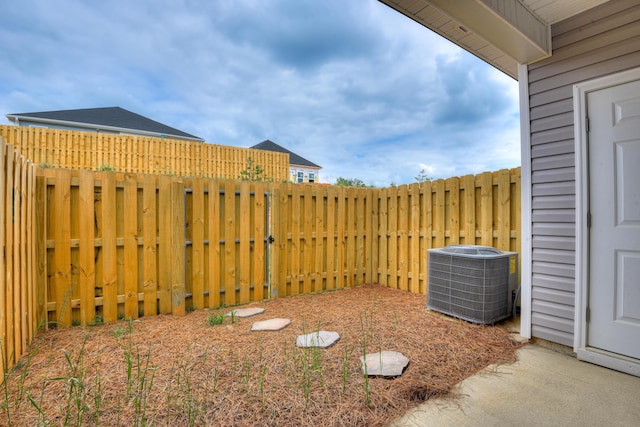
(109, 118)
(294, 159)
(502, 33)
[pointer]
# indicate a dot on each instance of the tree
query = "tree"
(350, 182)
(253, 172)
(422, 176)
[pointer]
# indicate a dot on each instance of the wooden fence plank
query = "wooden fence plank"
(414, 238)
(383, 260)
(131, 277)
(4, 355)
(62, 251)
(318, 194)
(341, 242)
(177, 249)
(307, 247)
(361, 207)
(486, 208)
(150, 252)
(368, 236)
(296, 243)
(331, 238)
(229, 238)
(197, 246)
(454, 210)
(31, 242)
(504, 212)
(393, 237)
(25, 284)
(439, 214)
(403, 237)
(108, 250)
(259, 246)
(164, 244)
(214, 264)
(8, 331)
(351, 228)
(281, 205)
(87, 267)
(41, 208)
(469, 200)
(244, 255)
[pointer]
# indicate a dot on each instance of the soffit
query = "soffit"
(503, 33)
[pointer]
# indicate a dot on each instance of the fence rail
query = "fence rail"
(136, 154)
(82, 247)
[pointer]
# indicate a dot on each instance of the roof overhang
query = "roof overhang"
(16, 119)
(503, 33)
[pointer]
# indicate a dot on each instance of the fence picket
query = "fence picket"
(244, 275)
(150, 252)
(229, 238)
(259, 233)
(214, 264)
(295, 242)
(87, 276)
(109, 250)
(320, 244)
(164, 245)
(131, 277)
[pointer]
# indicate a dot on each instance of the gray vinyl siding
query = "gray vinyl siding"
(598, 42)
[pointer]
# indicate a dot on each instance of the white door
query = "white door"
(614, 205)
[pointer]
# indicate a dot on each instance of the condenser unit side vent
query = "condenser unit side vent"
(473, 283)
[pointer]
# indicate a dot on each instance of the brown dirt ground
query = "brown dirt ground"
(185, 372)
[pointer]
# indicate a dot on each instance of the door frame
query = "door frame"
(581, 345)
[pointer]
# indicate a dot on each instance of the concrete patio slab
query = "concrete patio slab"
(543, 388)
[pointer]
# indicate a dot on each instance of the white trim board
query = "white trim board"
(580, 344)
(525, 193)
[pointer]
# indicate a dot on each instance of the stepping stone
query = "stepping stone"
(246, 312)
(270, 325)
(384, 363)
(322, 339)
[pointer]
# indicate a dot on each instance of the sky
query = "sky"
(353, 86)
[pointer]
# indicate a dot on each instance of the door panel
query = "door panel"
(614, 205)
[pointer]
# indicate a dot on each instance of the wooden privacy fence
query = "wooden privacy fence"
(125, 245)
(334, 237)
(83, 247)
(136, 154)
(18, 238)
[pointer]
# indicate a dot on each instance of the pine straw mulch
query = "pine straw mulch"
(172, 371)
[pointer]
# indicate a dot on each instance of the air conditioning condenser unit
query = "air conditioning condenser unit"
(474, 283)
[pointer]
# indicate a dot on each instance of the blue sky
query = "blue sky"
(352, 85)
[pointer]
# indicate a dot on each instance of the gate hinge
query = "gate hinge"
(588, 314)
(588, 219)
(270, 239)
(586, 123)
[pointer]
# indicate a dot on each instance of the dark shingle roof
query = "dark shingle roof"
(113, 117)
(294, 159)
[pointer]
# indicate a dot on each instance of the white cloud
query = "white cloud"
(353, 86)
